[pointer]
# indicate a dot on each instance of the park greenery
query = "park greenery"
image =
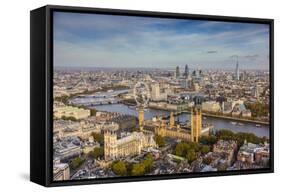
(208, 140)
(190, 150)
(69, 118)
(62, 99)
(225, 134)
(145, 166)
(76, 162)
(133, 169)
(119, 168)
(96, 153)
(129, 101)
(160, 141)
(93, 112)
(98, 137)
(138, 169)
(240, 137)
(258, 109)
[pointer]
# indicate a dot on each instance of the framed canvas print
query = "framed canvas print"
(120, 95)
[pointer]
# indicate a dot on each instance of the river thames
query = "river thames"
(218, 123)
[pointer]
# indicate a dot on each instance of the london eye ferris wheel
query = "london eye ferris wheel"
(141, 94)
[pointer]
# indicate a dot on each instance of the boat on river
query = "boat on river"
(233, 123)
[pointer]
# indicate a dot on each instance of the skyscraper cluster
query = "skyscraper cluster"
(185, 74)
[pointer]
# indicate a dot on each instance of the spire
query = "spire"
(141, 118)
(172, 120)
(237, 70)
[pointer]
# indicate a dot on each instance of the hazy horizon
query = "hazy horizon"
(74, 68)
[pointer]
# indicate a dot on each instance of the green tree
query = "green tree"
(62, 99)
(222, 167)
(98, 152)
(193, 145)
(119, 168)
(98, 137)
(191, 155)
(69, 118)
(160, 141)
(208, 140)
(148, 163)
(249, 137)
(76, 162)
(138, 169)
(258, 109)
(240, 137)
(181, 149)
(205, 149)
(93, 112)
(225, 134)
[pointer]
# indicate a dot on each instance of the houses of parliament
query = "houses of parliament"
(135, 142)
(131, 144)
(190, 132)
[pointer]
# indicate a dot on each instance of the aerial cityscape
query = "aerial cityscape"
(135, 96)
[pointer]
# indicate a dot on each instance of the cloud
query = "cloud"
(251, 57)
(212, 52)
(103, 40)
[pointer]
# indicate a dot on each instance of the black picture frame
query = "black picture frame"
(41, 92)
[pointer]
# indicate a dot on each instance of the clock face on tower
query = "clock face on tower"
(141, 94)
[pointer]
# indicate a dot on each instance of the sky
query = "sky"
(95, 40)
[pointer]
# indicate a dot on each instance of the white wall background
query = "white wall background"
(14, 96)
